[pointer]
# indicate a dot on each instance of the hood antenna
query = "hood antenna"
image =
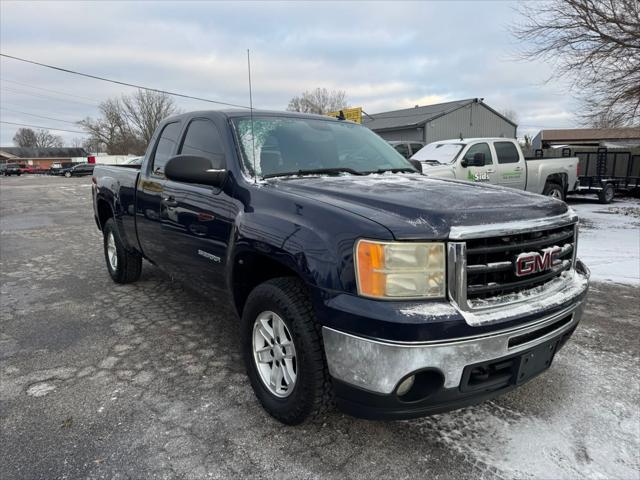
(253, 142)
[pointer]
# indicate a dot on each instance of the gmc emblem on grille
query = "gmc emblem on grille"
(534, 262)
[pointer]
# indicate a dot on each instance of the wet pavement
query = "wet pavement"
(145, 380)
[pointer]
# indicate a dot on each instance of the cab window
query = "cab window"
(166, 146)
(506, 152)
(479, 148)
(415, 147)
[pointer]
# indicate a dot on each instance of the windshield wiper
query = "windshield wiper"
(314, 171)
(393, 170)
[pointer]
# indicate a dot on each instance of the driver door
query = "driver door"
(486, 173)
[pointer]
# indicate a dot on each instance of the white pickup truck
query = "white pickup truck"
(499, 161)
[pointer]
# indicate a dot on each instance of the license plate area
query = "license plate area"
(535, 361)
(513, 370)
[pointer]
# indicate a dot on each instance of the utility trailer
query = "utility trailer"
(605, 173)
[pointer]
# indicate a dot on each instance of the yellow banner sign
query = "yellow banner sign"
(353, 114)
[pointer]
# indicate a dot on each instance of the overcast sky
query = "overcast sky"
(384, 55)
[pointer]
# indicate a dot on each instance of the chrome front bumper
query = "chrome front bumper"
(378, 366)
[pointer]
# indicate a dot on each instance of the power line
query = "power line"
(39, 116)
(48, 90)
(95, 77)
(40, 126)
(42, 95)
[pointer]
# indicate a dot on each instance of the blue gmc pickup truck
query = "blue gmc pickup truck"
(357, 280)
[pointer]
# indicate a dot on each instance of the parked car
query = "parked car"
(8, 169)
(78, 170)
(28, 169)
(60, 168)
(355, 277)
(499, 161)
(405, 148)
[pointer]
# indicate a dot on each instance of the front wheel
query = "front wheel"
(607, 193)
(283, 351)
(67, 174)
(554, 190)
(123, 266)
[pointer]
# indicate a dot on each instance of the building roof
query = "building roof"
(53, 152)
(416, 116)
(593, 134)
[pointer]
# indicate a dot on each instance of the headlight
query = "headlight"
(400, 270)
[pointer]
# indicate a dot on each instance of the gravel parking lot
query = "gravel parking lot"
(145, 380)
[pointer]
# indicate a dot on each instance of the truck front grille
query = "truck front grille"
(491, 262)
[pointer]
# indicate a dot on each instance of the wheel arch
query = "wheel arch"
(104, 212)
(251, 268)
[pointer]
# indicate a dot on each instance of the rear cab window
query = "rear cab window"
(165, 147)
(506, 152)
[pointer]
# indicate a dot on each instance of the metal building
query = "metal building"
(467, 118)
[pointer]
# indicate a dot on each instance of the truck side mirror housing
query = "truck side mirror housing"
(196, 169)
(476, 161)
(417, 164)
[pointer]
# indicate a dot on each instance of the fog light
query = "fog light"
(405, 386)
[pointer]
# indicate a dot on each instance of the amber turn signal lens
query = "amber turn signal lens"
(371, 279)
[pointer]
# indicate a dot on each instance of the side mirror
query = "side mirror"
(417, 165)
(476, 161)
(195, 169)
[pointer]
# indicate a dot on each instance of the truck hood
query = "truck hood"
(419, 207)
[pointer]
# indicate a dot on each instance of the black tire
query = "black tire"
(67, 174)
(607, 193)
(311, 395)
(554, 190)
(129, 265)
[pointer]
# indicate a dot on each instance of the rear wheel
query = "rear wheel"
(67, 174)
(283, 351)
(554, 190)
(123, 266)
(607, 193)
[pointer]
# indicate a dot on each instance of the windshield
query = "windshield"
(439, 152)
(297, 146)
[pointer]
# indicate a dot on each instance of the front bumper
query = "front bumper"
(368, 371)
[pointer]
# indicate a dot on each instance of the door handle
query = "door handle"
(170, 201)
(491, 170)
(517, 169)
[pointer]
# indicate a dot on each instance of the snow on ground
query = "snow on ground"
(609, 239)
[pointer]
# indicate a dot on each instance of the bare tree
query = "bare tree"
(145, 110)
(318, 101)
(25, 137)
(510, 114)
(594, 43)
(126, 124)
(77, 142)
(46, 139)
(605, 120)
(111, 131)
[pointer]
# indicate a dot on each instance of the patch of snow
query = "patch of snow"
(609, 240)
(435, 309)
(531, 300)
(417, 222)
(41, 389)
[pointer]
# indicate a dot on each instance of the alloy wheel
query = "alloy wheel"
(274, 354)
